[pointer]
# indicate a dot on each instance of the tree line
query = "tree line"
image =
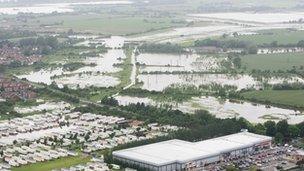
(249, 48)
(161, 48)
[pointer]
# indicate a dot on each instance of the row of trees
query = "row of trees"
(161, 48)
(288, 86)
(248, 47)
(275, 44)
(282, 131)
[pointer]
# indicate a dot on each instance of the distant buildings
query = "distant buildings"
(9, 55)
(14, 90)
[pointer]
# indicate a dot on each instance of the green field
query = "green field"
(54, 164)
(288, 98)
(273, 62)
(100, 23)
(283, 36)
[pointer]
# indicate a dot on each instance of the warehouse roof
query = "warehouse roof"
(172, 151)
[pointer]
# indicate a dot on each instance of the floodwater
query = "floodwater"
(56, 7)
(188, 32)
(88, 75)
(182, 62)
(159, 82)
(42, 76)
(104, 63)
(87, 80)
(221, 108)
(256, 113)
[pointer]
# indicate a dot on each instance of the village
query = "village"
(11, 89)
(11, 55)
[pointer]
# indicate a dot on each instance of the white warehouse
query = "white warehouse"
(178, 155)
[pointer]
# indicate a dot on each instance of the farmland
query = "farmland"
(288, 98)
(273, 62)
(103, 24)
(282, 36)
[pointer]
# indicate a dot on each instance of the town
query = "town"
(158, 85)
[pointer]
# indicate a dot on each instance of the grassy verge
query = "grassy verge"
(54, 164)
(125, 73)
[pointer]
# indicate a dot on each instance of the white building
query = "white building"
(181, 155)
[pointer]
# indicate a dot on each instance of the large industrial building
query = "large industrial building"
(177, 155)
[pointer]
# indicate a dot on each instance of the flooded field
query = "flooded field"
(42, 76)
(56, 7)
(159, 82)
(183, 33)
(255, 113)
(88, 75)
(87, 80)
(183, 62)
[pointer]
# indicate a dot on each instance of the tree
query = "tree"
(294, 131)
(301, 129)
(274, 44)
(279, 138)
(282, 127)
(252, 49)
(237, 61)
(270, 128)
(300, 43)
(260, 129)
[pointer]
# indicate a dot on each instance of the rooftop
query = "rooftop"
(172, 151)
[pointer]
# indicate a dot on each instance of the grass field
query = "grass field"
(104, 24)
(54, 164)
(283, 36)
(273, 62)
(289, 98)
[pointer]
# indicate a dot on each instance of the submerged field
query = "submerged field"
(273, 62)
(291, 98)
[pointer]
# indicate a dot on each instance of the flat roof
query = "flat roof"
(173, 151)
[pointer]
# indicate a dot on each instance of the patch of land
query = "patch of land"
(288, 98)
(273, 62)
(54, 164)
(282, 36)
(100, 23)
